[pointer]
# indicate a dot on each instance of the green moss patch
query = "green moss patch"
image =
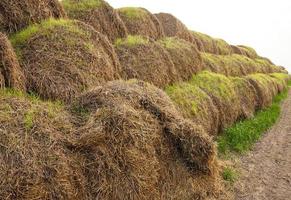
(81, 5)
(132, 12)
(131, 40)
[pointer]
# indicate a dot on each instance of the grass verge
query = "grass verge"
(240, 137)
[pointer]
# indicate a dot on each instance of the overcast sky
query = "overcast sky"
(262, 24)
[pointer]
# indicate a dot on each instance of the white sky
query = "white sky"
(262, 24)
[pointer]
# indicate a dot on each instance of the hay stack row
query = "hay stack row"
(216, 101)
(115, 139)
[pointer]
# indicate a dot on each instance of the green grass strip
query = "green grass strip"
(242, 135)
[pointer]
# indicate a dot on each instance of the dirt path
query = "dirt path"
(266, 170)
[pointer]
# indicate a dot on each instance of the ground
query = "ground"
(266, 170)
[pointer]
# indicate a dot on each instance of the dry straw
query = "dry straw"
(16, 15)
(12, 74)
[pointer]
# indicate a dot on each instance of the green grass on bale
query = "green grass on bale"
(81, 5)
(132, 12)
(131, 41)
(241, 136)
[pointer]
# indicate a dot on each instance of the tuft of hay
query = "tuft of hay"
(16, 15)
(62, 58)
(196, 105)
(140, 21)
(147, 60)
(98, 14)
(11, 74)
(34, 160)
(247, 95)
(173, 27)
(137, 146)
(185, 56)
(222, 91)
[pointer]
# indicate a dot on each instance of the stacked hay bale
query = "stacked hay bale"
(11, 74)
(137, 146)
(222, 92)
(16, 15)
(211, 45)
(147, 60)
(34, 160)
(247, 95)
(265, 88)
(173, 27)
(98, 14)
(185, 56)
(62, 58)
(196, 105)
(140, 21)
(236, 65)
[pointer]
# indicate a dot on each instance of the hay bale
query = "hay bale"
(147, 60)
(137, 146)
(247, 96)
(222, 92)
(245, 51)
(185, 56)
(98, 14)
(11, 74)
(16, 15)
(196, 105)
(208, 44)
(34, 160)
(281, 81)
(140, 21)
(62, 58)
(265, 89)
(173, 27)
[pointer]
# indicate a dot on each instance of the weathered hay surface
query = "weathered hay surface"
(11, 74)
(207, 44)
(265, 87)
(173, 27)
(236, 65)
(140, 21)
(147, 60)
(34, 160)
(247, 95)
(98, 14)
(16, 15)
(222, 92)
(281, 80)
(137, 146)
(185, 56)
(62, 58)
(196, 105)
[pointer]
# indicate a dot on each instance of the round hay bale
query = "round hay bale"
(222, 92)
(147, 60)
(34, 160)
(12, 74)
(204, 42)
(173, 27)
(185, 56)
(247, 95)
(245, 51)
(281, 81)
(98, 14)
(196, 105)
(137, 146)
(62, 58)
(140, 21)
(265, 89)
(16, 15)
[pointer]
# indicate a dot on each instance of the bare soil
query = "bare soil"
(266, 170)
